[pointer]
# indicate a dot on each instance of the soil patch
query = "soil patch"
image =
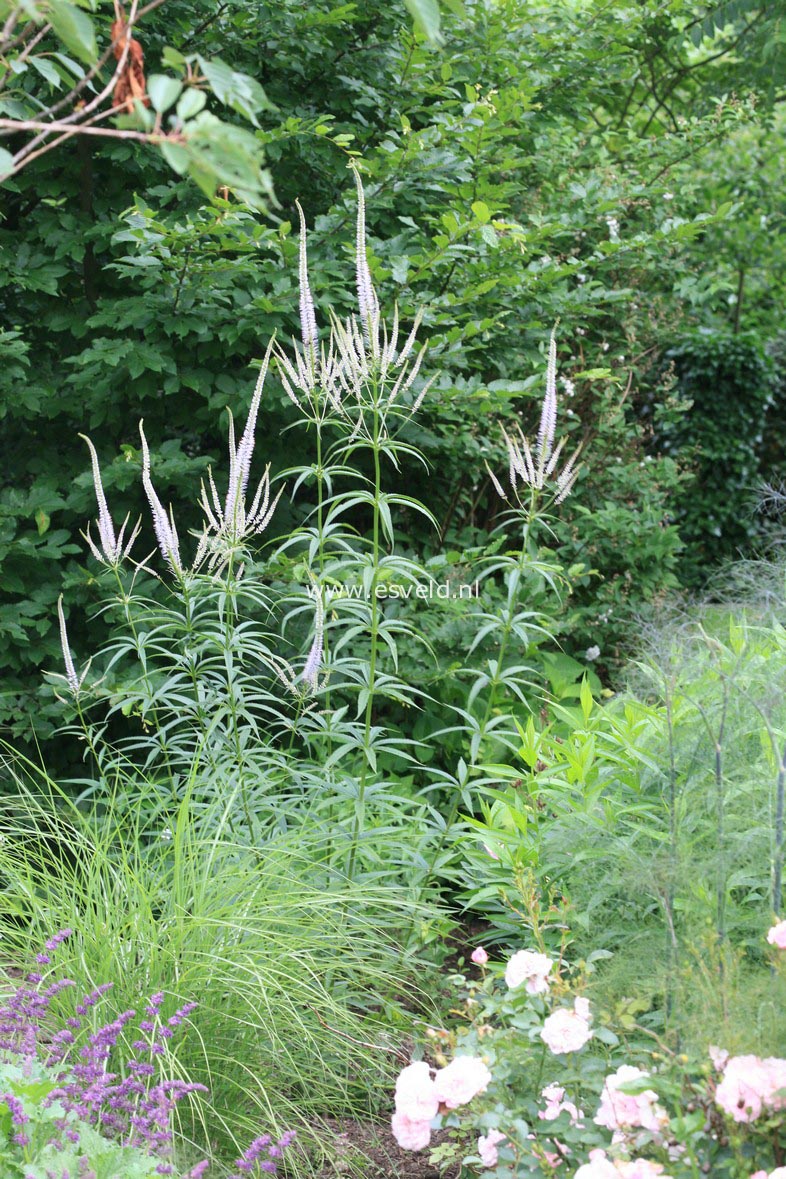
(371, 1150)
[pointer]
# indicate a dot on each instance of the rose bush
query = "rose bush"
(534, 1082)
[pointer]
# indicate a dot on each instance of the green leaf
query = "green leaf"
(176, 156)
(481, 211)
(241, 93)
(74, 29)
(46, 70)
(585, 696)
(164, 91)
(42, 521)
(172, 58)
(6, 162)
(425, 16)
(191, 103)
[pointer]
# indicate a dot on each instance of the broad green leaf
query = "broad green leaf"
(42, 521)
(6, 162)
(481, 211)
(75, 30)
(164, 91)
(172, 58)
(176, 156)
(236, 90)
(191, 103)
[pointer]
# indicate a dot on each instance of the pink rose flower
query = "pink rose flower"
(487, 1147)
(777, 935)
(531, 968)
(598, 1167)
(416, 1097)
(461, 1080)
(566, 1031)
(641, 1169)
(479, 956)
(410, 1134)
(556, 1104)
(626, 1111)
(744, 1088)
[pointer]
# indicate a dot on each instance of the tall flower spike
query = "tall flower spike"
(313, 659)
(163, 525)
(548, 416)
(368, 304)
(74, 681)
(308, 319)
(240, 459)
(112, 548)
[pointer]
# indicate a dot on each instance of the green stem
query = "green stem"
(360, 805)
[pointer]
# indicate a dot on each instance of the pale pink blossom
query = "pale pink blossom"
(552, 1157)
(416, 1096)
(776, 1098)
(530, 968)
(461, 1080)
(777, 935)
(626, 1111)
(582, 1007)
(556, 1104)
(487, 1147)
(410, 1134)
(761, 1174)
(566, 1031)
(598, 1167)
(744, 1088)
(479, 956)
(718, 1056)
(641, 1169)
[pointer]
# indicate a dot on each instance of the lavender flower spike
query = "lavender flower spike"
(548, 416)
(367, 297)
(311, 670)
(74, 681)
(113, 550)
(240, 459)
(308, 319)
(163, 525)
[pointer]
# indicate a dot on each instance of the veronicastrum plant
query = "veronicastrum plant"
(269, 676)
(213, 668)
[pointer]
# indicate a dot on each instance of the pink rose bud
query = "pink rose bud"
(479, 956)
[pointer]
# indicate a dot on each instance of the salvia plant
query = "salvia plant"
(74, 1104)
